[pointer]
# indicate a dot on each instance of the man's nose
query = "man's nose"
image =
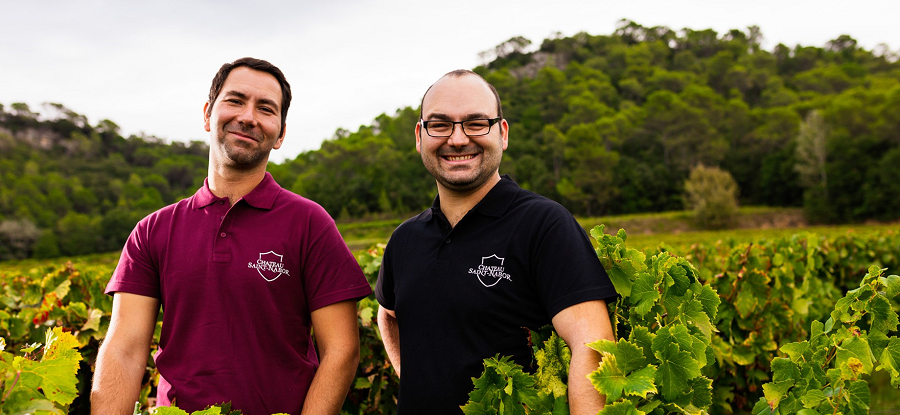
(458, 138)
(247, 115)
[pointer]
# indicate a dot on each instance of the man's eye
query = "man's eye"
(439, 125)
(477, 124)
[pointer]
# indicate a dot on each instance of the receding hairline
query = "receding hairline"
(460, 73)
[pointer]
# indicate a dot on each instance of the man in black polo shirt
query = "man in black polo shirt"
(464, 280)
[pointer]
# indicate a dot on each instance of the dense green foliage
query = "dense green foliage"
(69, 188)
(743, 319)
(606, 124)
(612, 124)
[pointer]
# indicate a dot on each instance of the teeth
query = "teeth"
(459, 158)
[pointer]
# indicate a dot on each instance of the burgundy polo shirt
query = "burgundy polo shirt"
(237, 285)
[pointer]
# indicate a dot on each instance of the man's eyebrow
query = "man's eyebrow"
(241, 95)
(445, 117)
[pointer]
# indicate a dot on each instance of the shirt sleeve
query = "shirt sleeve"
(331, 273)
(384, 286)
(567, 269)
(136, 272)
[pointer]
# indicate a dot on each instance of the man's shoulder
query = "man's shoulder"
(413, 224)
(297, 204)
(532, 203)
(168, 212)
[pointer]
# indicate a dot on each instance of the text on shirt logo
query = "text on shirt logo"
(491, 271)
(269, 266)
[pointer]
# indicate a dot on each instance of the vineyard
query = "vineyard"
(793, 324)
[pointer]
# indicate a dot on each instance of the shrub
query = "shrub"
(712, 194)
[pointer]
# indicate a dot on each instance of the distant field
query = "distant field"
(648, 230)
(645, 231)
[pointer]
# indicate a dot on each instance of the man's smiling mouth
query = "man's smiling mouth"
(460, 158)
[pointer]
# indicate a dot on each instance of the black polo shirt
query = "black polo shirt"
(467, 293)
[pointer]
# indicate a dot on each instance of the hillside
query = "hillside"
(605, 124)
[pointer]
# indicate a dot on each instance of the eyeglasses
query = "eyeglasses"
(473, 128)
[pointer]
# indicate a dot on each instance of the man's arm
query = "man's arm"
(122, 358)
(337, 337)
(390, 335)
(578, 325)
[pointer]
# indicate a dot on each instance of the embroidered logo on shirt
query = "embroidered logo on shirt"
(491, 271)
(269, 266)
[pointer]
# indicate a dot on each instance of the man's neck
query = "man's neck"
(225, 182)
(455, 205)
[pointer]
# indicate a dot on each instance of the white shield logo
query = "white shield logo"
(489, 261)
(270, 266)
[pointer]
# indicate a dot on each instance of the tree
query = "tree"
(17, 238)
(712, 194)
(812, 152)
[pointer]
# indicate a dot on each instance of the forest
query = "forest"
(604, 124)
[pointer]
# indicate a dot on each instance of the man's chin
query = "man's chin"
(246, 161)
(460, 184)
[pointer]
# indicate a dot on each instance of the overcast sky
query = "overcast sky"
(147, 65)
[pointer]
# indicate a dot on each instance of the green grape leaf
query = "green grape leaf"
(168, 410)
(674, 334)
(553, 365)
(702, 392)
(643, 294)
(890, 361)
(93, 321)
(854, 358)
(784, 369)
(60, 343)
(775, 391)
(796, 350)
(745, 303)
(858, 398)
(55, 374)
(676, 369)
(630, 356)
(621, 408)
(813, 398)
(884, 318)
(710, 300)
(679, 278)
(13, 406)
(643, 338)
(696, 314)
(678, 334)
(891, 285)
(62, 289)
(611, 381)
(620, 280)
(503, 384)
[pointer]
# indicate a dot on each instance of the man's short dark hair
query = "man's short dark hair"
(255, 64)
(458, 74)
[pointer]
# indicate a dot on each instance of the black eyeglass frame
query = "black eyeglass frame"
(491, 122)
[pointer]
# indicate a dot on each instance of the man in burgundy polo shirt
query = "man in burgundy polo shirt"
(243, 271)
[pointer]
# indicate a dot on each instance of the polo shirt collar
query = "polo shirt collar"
(494, 204)
(262, 196)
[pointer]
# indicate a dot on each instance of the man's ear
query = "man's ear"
(419, 137)
(504, 133)
(280, 140)
(206, 116)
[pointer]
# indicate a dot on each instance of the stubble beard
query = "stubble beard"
(480, 175)
(239, 157)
